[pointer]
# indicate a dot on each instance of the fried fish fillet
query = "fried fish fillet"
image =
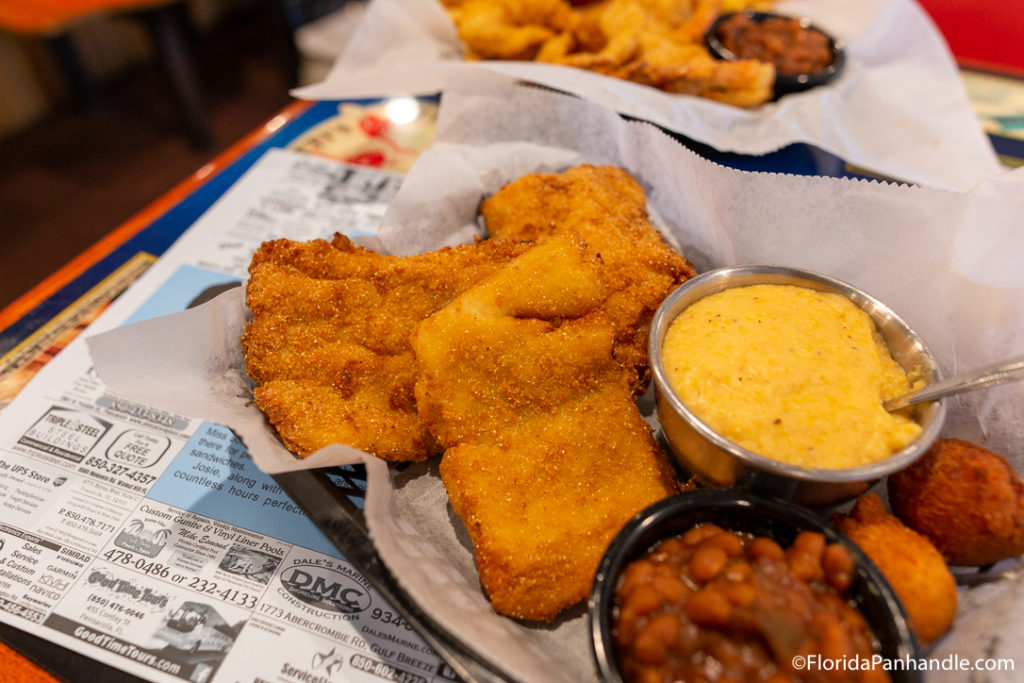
(608, 208)
(328, 343)
(547, 455)
(508, 29)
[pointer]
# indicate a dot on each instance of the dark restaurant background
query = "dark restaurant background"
(71, 172)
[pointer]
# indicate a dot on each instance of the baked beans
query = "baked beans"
(716, 605)
(793, 48)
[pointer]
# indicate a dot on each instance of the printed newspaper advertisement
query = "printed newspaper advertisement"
(150, 541)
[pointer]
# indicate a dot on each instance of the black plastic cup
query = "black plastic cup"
(870, 593)
(784, 83)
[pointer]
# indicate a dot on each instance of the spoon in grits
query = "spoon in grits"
(1011, 370)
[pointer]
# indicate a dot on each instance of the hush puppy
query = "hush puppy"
(968, 501)
(909, 561)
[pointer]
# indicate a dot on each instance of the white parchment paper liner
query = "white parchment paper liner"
(899, 109)
(945, 261)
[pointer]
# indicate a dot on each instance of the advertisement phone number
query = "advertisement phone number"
(199, 585)
(119, 470)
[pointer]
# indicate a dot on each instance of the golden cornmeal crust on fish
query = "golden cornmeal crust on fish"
(608, 209)
(547, 454)
(328, 344)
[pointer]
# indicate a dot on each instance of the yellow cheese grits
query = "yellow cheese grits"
(789, 373)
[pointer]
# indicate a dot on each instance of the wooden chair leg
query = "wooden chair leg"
(172, 51)
(81, 82)
(287, 19)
